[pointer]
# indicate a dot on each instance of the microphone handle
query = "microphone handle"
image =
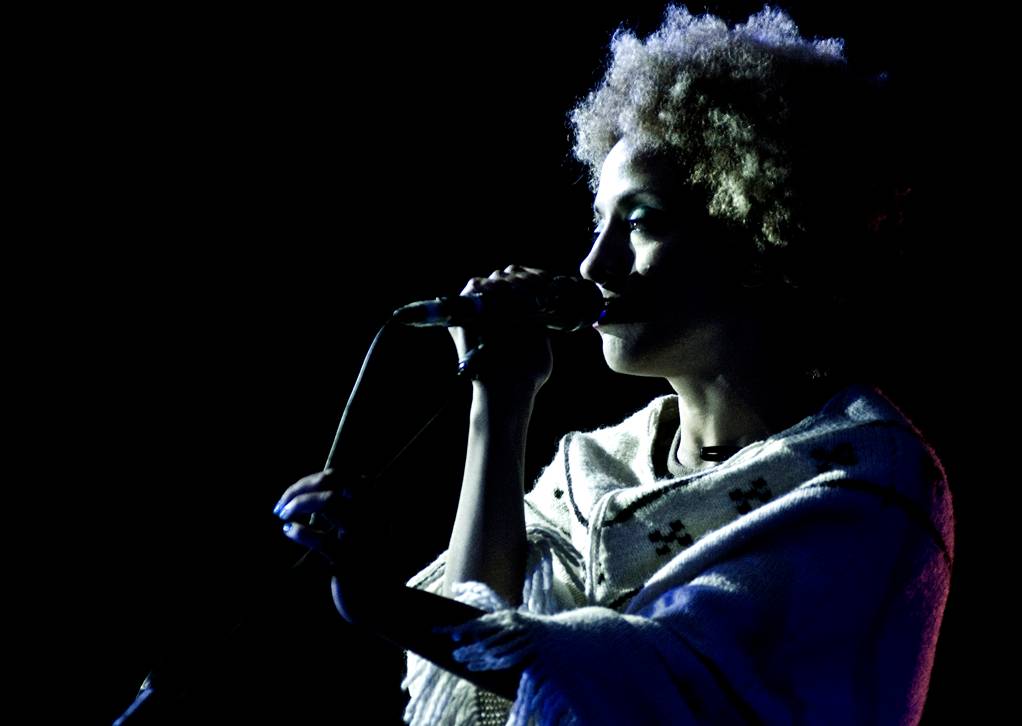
(572, 305)
(448, 312)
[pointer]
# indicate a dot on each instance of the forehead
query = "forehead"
(628, 171)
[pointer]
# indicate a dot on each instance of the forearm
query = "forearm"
(406, 617)
(488, 542)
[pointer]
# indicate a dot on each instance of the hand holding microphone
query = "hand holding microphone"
(510, 313)
(516, 296)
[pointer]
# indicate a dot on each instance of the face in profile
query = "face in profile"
(655, 257)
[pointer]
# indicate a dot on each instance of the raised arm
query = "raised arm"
(488, 542)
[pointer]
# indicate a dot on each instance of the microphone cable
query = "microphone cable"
(146, 708)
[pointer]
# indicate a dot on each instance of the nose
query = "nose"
(610, 259)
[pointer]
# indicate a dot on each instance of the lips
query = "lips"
(621, 310)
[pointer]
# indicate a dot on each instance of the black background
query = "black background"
(225, 206)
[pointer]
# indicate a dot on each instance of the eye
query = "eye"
(648, 220)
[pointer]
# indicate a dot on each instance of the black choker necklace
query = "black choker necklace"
(717, 453)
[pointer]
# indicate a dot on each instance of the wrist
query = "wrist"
(504, 409)
(520, 395)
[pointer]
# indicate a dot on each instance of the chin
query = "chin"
(660, 351)
(624, 352)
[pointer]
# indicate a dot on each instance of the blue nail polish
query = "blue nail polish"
(276, 509)
(287, 528)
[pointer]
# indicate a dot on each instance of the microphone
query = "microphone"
(565, 303)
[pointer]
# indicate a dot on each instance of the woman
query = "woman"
(772, 542)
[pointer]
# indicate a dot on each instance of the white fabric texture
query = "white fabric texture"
(803, 580)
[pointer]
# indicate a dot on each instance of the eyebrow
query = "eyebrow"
(629, 197)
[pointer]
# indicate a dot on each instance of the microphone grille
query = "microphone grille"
(571, 303)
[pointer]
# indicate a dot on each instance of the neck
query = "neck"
(732, 411)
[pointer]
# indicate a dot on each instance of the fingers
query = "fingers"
(476, 284)
(330, 545)
(512, 275)
(304, 536)
(319, 481)
(321, 497)
(318, 503)
(518, 351)
(331, 504)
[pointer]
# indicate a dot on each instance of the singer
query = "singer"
(770, 543)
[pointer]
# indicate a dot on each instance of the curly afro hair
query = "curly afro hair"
(796, 156)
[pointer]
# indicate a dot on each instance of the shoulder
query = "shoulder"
(862, 440)
(863, 433)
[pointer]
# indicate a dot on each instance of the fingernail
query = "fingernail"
(287, 528)
(285, 512)
(276, 509)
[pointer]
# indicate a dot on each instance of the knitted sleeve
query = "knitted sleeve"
(822, 606)
(437, 696)
(553, 583)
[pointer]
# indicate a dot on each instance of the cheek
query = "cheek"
(694, 273)
(653, 261)
(672, 262)
(681, 281)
